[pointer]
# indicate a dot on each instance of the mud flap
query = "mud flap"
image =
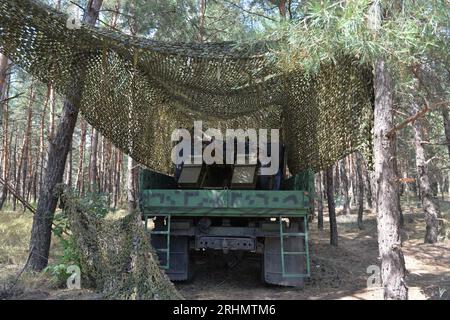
(179, 266)
(294, 264)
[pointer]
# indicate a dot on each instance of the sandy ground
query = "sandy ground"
(336, 272)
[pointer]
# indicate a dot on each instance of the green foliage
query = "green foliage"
(329, 29)
(93, 204)
(70, 256)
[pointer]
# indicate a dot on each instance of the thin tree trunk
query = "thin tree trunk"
(4, 121)
(117, 178)
(4, 67)
(446, 121)
(69, 168)
(201, 29)
(368, 187)
(331, 207)
(80, 173)
(52, 100)
(397, 175)
(42, 153)
(448, 184)
(344, 185)
(360, 190)
(354, 180)
(131, 198)
(337, 180)
(57, 156)
(319, 200)
(429, 203)
(14, 167)
(22, 172)
(93, 174)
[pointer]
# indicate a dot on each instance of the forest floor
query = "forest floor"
(336, 272)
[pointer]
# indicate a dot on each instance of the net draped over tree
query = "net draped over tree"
(137, 91)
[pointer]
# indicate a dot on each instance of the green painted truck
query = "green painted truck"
(270, 223)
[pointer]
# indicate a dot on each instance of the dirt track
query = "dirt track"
(336, 273)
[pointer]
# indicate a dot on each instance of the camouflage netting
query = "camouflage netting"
(136, 91)
(116, 257)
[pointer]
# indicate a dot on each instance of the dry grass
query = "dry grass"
(15, 229)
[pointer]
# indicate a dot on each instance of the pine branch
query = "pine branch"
(415, 117)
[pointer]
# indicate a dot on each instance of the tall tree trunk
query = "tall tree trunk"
(337, 180)
(4, 67)
(79, 184)
(69, 169)
(393, 269)
(42, 153)
(360, 180)
(354, 181)
(130, 180)
(131, 192)
(201, 29)
(319, 191)
(389, 242)
(93, 174)
(429, 203)
(22, 169)
(368, 187)
(331, 207)
(118, 178)
(4, 121)
(57, 155)
(52, 99)
(344, 185)
(446, 128)
(14, 167)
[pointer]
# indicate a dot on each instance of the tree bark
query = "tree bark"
(4, 121)
(368, 187)
(118, 178)
(93, 174)
(331, 207)
(446, 120)
(282, 7)
(388, 221)
(58, 149)
(319, 191)
(22, 170)
(131, 193)
(79, 184)
(360, 180)
(202, 17)
(14, 164)
(4, 66)
(69, 168)
(430, 205)
(397, 175)
(344, 184)
(52, 98)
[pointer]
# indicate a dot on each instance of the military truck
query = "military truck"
(230, 208)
